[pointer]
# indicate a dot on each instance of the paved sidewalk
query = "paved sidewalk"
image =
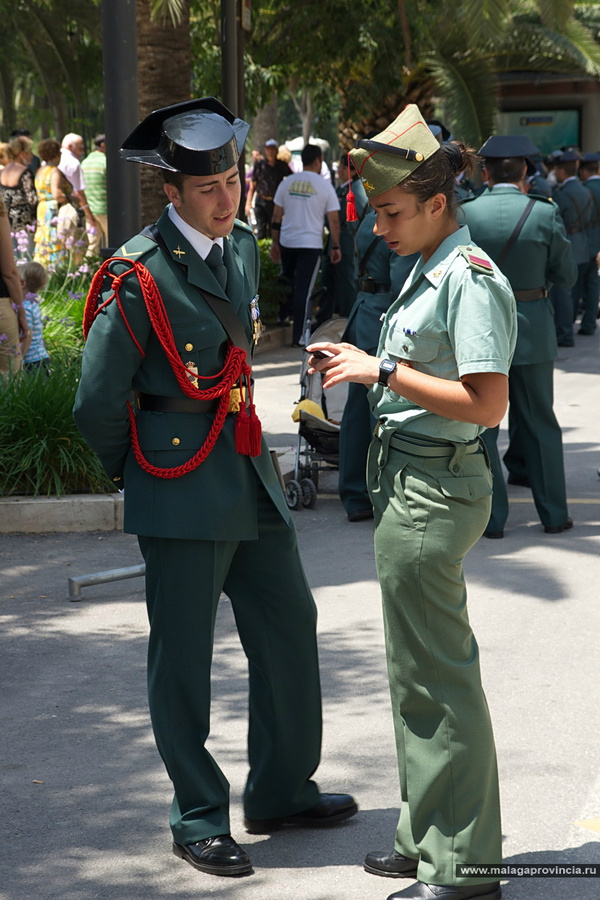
(84, 799)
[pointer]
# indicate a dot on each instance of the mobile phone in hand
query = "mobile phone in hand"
(321, 354)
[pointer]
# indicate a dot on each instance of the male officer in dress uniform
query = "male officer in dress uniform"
(219, 525)
(590, 285)
(526, 238)
(577, 210)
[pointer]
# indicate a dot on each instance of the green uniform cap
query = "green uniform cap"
(395, 153)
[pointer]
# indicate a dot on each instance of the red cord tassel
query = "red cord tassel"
(248, 432)
(350, 204)
(350, 207)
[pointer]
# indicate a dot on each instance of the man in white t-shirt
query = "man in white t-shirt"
(301, 203)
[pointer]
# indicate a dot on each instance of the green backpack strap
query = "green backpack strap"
(476, 259)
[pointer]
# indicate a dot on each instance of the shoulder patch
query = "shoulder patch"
(476, 260)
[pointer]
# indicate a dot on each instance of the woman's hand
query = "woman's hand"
(342, 362)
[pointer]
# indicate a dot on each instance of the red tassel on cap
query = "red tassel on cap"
(350, 204)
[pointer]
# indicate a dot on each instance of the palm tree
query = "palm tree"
(164, 76)
(456, 58)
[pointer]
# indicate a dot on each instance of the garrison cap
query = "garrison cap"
(510, 146)
(590, 158)
(394, 154)
(197, 137)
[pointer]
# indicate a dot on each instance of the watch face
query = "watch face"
(386, 367)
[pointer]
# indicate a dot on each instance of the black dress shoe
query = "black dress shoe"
(519, 482)
(218, 855)
(420, 891)
(493, 535)
(331, 809)
(558, 529)
(360, 515)
(390, 865)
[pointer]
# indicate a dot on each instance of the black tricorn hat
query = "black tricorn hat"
(510, 146)
(197, 137)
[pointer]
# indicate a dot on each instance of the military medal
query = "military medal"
(192, 372)
(257, 325)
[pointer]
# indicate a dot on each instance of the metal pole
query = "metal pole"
(229, 34)
(121, 116)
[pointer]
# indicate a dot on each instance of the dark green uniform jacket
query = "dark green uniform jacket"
(577, 210)
(540, 256)
(217, 501)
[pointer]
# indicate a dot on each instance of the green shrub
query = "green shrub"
(41, 450)
(273, 291)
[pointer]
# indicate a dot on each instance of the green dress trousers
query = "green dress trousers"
(275, 616)
(429, 511)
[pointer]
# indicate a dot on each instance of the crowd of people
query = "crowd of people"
(47, 220)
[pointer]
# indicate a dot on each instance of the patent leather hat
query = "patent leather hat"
(197, 137)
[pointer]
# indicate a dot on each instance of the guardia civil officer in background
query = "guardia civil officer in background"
(589, 174)
(340, 281)
(525, 236)
(172, 319)
(439, 378)
(577, 210)
(381, 275)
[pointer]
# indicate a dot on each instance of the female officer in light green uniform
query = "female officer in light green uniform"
(439, 379)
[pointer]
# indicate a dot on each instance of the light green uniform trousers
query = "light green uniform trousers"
(429, 511)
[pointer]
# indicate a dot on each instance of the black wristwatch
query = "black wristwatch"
(386, 367)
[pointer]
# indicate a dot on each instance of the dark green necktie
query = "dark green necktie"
(215, 261)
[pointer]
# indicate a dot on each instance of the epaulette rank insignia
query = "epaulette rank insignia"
(477, 263)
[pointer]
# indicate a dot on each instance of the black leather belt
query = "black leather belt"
(153, 403)
(533, 294)
(373, 287)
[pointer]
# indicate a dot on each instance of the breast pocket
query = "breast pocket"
(414, 347)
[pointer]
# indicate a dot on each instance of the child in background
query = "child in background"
(33, 279)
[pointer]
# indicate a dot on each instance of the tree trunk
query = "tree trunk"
(164, 77)
(264, 126)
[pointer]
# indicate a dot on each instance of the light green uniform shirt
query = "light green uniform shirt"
(94, 169)
(451, 319)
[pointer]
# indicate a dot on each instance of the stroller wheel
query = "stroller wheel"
(293, 494)
(309, 493)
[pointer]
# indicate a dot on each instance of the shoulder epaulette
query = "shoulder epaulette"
(476, 260)
(540, 197)
(136, 247)
(239, 224)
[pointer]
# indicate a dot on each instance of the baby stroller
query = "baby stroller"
(319, 415)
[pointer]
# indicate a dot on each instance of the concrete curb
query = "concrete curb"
(75, 512)
(91, 512)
